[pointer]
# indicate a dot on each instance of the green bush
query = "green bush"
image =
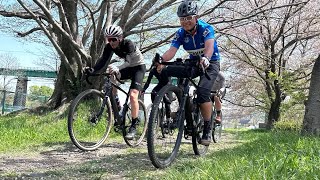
(289, 125)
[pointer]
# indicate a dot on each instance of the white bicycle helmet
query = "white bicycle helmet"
(113, 31)
(187, 8)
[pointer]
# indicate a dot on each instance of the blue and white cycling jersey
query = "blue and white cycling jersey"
(194, 44)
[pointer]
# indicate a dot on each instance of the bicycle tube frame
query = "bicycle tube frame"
(115, 106)
(182, 107)
(194, 115)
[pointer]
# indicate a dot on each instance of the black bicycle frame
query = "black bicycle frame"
(107, 88)
(119, 119)
(185, 87)
(195, 105)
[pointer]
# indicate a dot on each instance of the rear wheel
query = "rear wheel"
(197, 131)
(89, 120)
(217, 129)
(141, 128)
(164, 138)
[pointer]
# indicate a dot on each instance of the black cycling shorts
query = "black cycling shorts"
(192, 71)
(136, 74)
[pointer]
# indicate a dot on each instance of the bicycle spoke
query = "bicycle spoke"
(89, 122)
(164, 133)
(197, 131)
(141, 128)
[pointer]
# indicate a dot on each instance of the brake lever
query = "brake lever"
(205, 71)
(87, 79)
(120, 81)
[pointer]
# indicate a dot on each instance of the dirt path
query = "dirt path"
(111, 161)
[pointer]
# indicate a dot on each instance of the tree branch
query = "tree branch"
(21, 34)
(137, 17)
(62, 31)
(22, 15)
(54, 43)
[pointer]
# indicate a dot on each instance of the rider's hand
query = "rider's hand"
(160, 59)
(205, 62)
(159, 68)
(113, 69)
(157, 58)
(88, 70)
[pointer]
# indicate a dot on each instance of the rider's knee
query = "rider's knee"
(134, 93)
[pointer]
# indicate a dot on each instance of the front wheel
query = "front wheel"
(164, 141)
(141, 128)
(89, 120)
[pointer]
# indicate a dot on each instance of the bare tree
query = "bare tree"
(75, 29)
(51, 63)
(270, 43)
(264, 38)
(8, 65)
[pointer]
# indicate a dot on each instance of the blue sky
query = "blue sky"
(27, 53)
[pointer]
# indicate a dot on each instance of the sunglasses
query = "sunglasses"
(188, 18)
(112, 39)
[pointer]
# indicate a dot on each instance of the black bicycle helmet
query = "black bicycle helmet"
(113, 31)
(187, 8)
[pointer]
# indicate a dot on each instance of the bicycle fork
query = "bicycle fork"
(181, 112)
(96, 117)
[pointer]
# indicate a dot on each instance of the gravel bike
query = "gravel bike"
(93, 112)
(163, 149)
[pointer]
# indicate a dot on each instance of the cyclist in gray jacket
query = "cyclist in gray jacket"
(133, 68)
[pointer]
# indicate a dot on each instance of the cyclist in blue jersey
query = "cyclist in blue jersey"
(197, 38)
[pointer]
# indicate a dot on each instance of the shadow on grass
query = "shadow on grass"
(118, 161)
(113, 160)
(276, 155)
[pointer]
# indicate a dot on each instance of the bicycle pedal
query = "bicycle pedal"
(188, 130)
(94, 120)
(186, 136)
(117, 128)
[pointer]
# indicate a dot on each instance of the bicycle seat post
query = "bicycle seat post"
(186, 87)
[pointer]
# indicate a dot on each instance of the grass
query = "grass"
(26, 133)
(247, 154)
(261, 155)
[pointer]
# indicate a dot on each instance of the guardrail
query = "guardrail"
(7, 99)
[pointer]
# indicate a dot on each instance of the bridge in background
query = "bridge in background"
(28, 72)
(22, 75)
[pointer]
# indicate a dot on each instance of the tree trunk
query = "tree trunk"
(66, 88)
(274, 112)
(311, 122)
(274, 95)
(58, 94)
